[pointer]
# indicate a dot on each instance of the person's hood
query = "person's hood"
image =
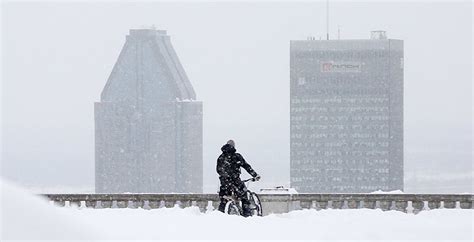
(227, 149)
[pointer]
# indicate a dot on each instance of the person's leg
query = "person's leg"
(223, 191)
(242, 193)
(222, 205)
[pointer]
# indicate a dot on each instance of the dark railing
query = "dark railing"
(272, 203)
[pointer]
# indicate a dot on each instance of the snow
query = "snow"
(28, 217)
(25, 216)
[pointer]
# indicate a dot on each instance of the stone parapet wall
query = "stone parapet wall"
(273, 203)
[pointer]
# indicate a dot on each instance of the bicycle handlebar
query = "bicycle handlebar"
(250, 179)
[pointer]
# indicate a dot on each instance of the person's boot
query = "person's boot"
(246, 211)
(222, 205)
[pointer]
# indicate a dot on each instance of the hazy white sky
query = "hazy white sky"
(56, 58)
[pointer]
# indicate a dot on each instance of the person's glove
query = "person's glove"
(257, 177)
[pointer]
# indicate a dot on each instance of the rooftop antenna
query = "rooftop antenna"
(327, 19)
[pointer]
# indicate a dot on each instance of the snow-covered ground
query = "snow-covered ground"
(28, 217)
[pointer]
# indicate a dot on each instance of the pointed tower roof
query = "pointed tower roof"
(148, 69)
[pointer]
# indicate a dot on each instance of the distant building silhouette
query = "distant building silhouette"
(148, 124)
(346, 114)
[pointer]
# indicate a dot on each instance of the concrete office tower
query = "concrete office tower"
(346, 114)
(148, 124)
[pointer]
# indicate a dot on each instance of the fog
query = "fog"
(56, 58)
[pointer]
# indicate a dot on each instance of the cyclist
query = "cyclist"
(228, 168)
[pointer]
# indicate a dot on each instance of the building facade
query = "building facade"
(346, 114)
(148, 123)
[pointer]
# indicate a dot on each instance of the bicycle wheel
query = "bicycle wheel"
(255, 200)
(232, 209)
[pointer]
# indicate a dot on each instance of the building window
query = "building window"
(301, 81)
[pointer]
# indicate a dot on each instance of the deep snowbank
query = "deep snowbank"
(25, 216)
(28, 217)
(364, 224)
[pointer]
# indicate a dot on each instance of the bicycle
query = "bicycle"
(234, 205)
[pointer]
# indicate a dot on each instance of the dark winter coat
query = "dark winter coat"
(228, 168)
(230, 162)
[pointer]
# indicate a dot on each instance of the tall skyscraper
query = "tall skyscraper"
(346, 114)
(148, 124)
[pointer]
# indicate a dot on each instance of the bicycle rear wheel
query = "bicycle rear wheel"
(232, 208)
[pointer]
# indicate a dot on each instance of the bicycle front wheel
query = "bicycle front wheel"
(258, 205)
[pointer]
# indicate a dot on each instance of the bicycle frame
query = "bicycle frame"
(233, 205)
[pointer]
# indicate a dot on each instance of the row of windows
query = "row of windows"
(339, 118)
(338, 171)
(325, 175)
(342, 100)
(349, 77)
(339, 153)
(376, 170)
(336, 188)
(339, 179)
(317, 132)
(368, 109)
(338, 127)
(333, 167)
(341, 144)
(355, 135)
(369, 135)
(354, 162)
(350, 53)
(343, 172)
